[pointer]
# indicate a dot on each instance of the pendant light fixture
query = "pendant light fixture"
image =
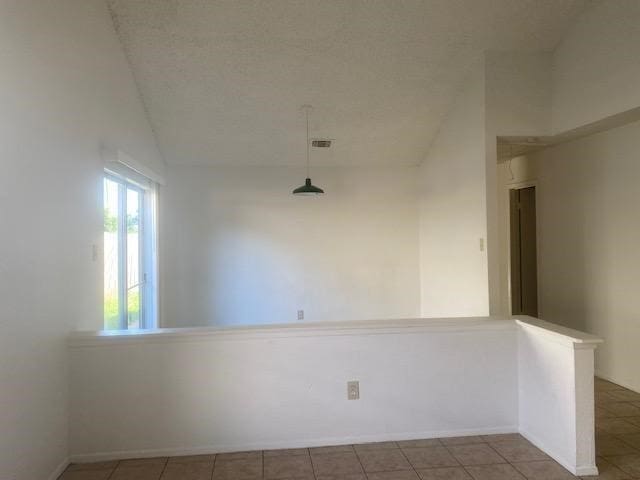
(308, 189)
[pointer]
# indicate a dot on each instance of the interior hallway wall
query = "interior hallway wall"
(65, 90)
(589, 232)
(508, 94)
(242, 250)
(518, 103)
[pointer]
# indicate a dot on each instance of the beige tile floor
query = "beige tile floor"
(491, 457)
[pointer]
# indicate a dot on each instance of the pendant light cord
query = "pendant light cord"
(307, 112)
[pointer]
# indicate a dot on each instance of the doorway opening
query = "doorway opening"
(524, 271)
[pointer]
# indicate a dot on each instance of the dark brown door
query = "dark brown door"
(524, 272)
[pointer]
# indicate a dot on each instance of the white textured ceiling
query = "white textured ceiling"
(223, 80)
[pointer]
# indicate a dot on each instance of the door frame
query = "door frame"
(507, 192)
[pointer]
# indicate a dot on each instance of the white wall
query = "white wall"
(65, 89)
(596, 68)
(417, 379)
(555, 394)
(588, 243)
(452, 211)
(239, 249)
(508, 94)
(192, 391)
(518, 93)
(592, 74)
(518, 102)
(511, 93)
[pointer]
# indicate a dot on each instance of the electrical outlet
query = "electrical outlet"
(300, 314)
(353, 390)
(482, 244)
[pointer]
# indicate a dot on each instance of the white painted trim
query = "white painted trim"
(117, 156)
(559, 333)
(59, 469)
(150, 258)
(356, 327)
(317, 442)
(521, 185)
(507, 189)
(586, 471)
(570, 466)
(563, 335)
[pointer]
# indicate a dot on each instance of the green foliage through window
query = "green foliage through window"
(111, 222)
(111, 309)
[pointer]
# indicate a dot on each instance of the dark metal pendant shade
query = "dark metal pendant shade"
(308, 189)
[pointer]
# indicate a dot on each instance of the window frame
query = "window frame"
(147, 250)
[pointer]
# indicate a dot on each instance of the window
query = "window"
(129, 253)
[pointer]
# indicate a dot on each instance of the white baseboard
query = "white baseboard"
(59, 469)
(586, 471)
(302, 443)
(578, 470)
(617, 382)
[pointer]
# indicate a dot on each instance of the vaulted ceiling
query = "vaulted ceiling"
(223, 81)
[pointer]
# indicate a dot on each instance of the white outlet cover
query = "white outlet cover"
(353, 390)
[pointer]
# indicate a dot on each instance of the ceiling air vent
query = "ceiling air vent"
(318, 143)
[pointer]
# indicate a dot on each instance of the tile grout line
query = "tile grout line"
(529, 461)
(411, 464)
(499, 454)
(508, 462)
(604, 406)
(313, 466)
(313, 470)
(114, 469)
(364, 472)
(464, 467)
(484, 442)
(164, 467)
(448, 448)
(215, 459)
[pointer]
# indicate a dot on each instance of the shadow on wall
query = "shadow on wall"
(570, 207)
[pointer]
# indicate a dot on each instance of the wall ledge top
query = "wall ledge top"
(302, 329)
(563, 334)
(327, 328)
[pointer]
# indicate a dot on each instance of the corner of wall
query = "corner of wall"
(153, 158)
(594, 72)
(452, 208)
(517, 102)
